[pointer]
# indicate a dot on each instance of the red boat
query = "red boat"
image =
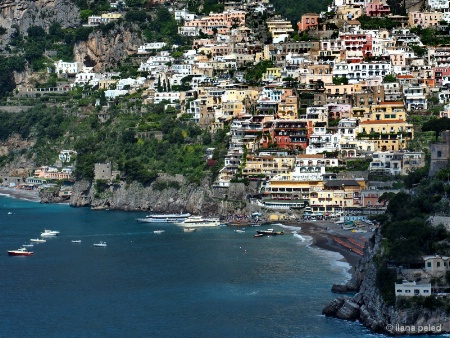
(20, 252)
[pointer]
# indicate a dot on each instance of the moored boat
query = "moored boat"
(165, 218)
(20, 252)
(159, 231)
(258, 235)
(199, 221)
(101, 244)
(187, 229)
(76, 240)
(239, 231)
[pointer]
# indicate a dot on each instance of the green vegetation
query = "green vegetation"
(377, 22)
(294, 9)
(437, 125)
(253, 75)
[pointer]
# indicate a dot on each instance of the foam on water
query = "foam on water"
(335, 259)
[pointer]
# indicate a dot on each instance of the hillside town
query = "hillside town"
(325, 93)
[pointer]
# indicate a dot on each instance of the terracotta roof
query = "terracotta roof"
(382, 122)
(391, 103)
(405, 77)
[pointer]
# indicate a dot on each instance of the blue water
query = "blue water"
(210, 283)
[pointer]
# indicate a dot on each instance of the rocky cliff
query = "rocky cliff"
(188, 197)
(26, 13)
(369, 308)
(107, 49)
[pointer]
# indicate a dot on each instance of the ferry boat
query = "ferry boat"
(165, 218)
(199, 221)
(20, 252)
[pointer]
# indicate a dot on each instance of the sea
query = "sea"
(210, 283)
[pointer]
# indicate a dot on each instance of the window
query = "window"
(426, 291)
(439, 154)
(438, 264)
(407, 291)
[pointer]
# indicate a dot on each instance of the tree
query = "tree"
(437, 125)
(390, 78)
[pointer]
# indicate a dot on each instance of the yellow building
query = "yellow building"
(387, 111)
(106, 84)
(267, 165)
(337, 196)
(272, 74)
(287, 109)
(386, 134)
(278, 26)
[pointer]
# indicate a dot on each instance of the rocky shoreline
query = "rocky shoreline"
(368, 306)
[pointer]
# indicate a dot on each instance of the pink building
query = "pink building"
(222, 22)
(308, 21)
(377, 8)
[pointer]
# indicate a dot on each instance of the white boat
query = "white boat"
(38, 240)
(239, 231)
(76, 240)
(188, 229)
(159, 231)
(164, 218)
(28, 245)
(199, 221)
(101, 244)
(49, 233)
(9, 213)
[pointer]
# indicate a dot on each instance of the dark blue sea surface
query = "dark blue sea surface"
(210, 283)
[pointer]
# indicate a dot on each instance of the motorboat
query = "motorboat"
(239, 231)
(28, 245)
(270, 232)
(9, 213)
(38, 240)
(187, 229)
(49, 233)
(20, 252)
(165, 218)
(199, 221)
(100, 244)
(159, 231)
(76, 240)
(258, 235)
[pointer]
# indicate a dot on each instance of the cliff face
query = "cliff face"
(26, 13)
(369, 308)
(196, 199)
(106, 50)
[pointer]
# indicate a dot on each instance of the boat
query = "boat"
(20, 252)
(270, 232)
(199, 221)
(76, 240)
(9, 213)
(49, 233)
(258, 235)
(159, 231)
(28, 245)
(38, 240)
(165, 218)
(101, 244)
(239, 231)
(190, 229)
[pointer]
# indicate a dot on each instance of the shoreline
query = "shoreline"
(26, 195)
(321, 232)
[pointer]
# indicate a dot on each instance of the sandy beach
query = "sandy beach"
(29, 195)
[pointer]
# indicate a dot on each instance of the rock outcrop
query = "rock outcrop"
(25, 13)
(369, 308)
(107, 49)
(193, 198)
(47, 196)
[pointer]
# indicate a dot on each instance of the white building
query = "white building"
(184, 15)
(415, 97)
(356, 72)
(70, 68)
(168, 96)
(411, 289)
(150, 46)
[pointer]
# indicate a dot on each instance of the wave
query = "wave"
(336, 260)
(308, 240)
